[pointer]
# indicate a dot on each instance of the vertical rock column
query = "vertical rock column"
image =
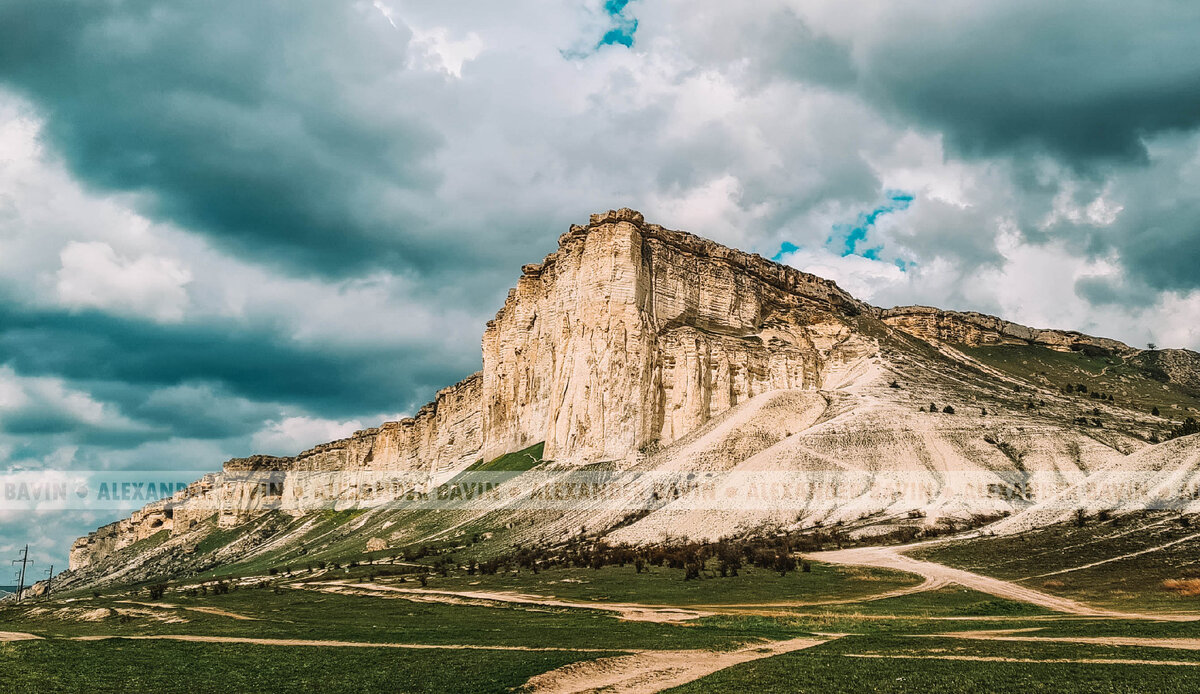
(604, 380)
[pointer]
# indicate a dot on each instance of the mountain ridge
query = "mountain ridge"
(631, 337)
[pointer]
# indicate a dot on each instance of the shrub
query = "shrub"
(948, 409)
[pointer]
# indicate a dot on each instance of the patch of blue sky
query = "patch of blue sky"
(854, 234)
(785, 248)
(851, 236)
(623, 27)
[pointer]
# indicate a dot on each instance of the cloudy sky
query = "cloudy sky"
(232, 226)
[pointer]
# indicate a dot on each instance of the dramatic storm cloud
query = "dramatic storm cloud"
(229, 227)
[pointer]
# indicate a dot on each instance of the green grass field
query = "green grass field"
(895, 667)
(890, 645)
(663, 586)
(1130, 385)
(166, 666)
(1048, 559)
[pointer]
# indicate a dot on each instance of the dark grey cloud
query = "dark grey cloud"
(1083, 81)
(288, 131)
(245, 362)
(342, 194)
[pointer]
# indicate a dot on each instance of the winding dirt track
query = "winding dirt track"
(1182, 644)
(891, 558)
(630, 611)
(332, 644)
(206, 610)
(1119, 558)
(653, 671)
(1000, 659)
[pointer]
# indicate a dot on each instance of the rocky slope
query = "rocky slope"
(639, 349)
(975, 329)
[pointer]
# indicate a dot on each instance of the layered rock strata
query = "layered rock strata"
(629, 335)
(623, 340)
(977, 329)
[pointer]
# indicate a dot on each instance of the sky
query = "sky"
(231, 227)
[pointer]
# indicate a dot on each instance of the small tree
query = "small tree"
(948, 409)
(1154, 411)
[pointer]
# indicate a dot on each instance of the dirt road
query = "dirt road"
(653, 671)
(332, 644)
(1183, 644)
(1000, 659)
(629, 611)
(891, 558)
(206, 610)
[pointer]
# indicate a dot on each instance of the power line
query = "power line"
(23, 560)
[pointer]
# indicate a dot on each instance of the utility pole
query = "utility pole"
(24, 560)
(49, 580)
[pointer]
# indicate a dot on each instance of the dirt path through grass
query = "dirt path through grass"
(332, 644)
(930, 583)
(17, 636)
(1001, 659)
(638, 612)
(1123, 556)
(1183, 644)
(891, 558)
(653, 671)
(207, 610)
(629, 611)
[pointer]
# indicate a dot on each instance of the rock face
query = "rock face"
(1180, 366)
(628, 336)
(631, 335)
(976, 329)
(625, 339)
(443, 434)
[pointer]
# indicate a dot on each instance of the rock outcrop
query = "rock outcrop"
(977, 329)
(624, 340)
(631, 335)
(1179, 366)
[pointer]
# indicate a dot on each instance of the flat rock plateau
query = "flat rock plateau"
(638, 353)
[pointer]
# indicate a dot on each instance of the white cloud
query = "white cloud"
(863, 277)
(434, 49)
(94, 276)
(1100, 211)
(54, 397)
(291, 435)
